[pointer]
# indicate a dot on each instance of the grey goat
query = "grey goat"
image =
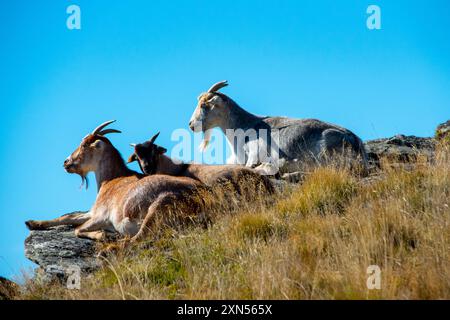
(295, 141)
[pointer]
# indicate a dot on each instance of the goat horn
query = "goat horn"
(103, 132)
(133, 144)
(219, 85)
(100, 127)
(154, 137)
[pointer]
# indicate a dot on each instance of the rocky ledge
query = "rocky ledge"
(57, 250)
(400, 148)
(443, 131)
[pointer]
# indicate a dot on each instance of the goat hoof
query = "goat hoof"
(34, 225)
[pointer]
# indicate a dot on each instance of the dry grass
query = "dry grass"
(314, 242)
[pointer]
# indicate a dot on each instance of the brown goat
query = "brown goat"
(127, 202)
(152, 160)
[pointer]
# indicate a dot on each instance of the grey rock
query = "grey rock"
(400, 148)
(284, 183)
(290, 178)
(443, 130)
(58, 249)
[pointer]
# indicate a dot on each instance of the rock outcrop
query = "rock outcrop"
(400, 148)
(58, 249)
(443, 131)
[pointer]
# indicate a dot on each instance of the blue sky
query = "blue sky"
(145, 62)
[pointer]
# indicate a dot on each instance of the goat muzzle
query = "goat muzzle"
(68, 165)
(196, 126)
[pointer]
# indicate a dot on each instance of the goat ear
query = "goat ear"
(97, 144)
(214, 100)
(162, 150)
(132, 158)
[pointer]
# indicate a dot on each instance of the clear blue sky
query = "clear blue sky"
(144, 63)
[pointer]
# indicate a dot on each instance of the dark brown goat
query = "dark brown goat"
(153, 160)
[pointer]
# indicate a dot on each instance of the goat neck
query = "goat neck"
(112, 167)
(167, 166)
(238, 118)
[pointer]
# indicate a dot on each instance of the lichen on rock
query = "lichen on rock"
(57, 249)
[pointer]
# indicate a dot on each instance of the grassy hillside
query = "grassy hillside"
(314, 241)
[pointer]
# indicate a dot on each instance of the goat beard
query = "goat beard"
(206, 140)
(84, 181)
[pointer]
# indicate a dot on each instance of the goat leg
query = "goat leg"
(71, 219)
(92, 229)
(161, 204)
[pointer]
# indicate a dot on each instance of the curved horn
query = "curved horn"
(133, 145)
(100, 127)
(217, 86)
(154, 137)
(103, 132)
